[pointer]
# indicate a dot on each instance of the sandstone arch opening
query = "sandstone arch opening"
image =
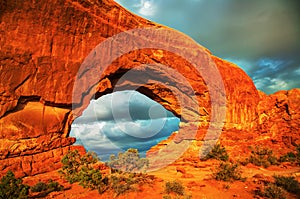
(121, 120)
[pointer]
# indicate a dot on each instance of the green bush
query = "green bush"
(227, 172)
(218, 152)
(298, 154)
(71, 166)
(39, 187)
(128, 161)
(174, 187)
(54, 186)
(121, 184)
(90, 178)
(290, 184)
(262, 157)
(177, 197)
(79, 168)
(12, 187)
(45, 188)
(291, 156)
(272, 191)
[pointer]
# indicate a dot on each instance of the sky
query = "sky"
(261, 36)
(110, 125)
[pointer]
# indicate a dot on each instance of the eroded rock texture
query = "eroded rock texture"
(44, 43)
(279, 118)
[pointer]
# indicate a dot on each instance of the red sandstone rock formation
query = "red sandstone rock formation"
(278, 116)
(43, 44)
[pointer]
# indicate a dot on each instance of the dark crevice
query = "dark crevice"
(66, 124)
(286, 106)
(58, 105)
(22, 101)
(51, 45)
(83, 95)
(113, 78)
(150, 94)
(100, 94)
(22, 83)
(26, 99)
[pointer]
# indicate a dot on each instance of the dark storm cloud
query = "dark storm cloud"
(242, 31)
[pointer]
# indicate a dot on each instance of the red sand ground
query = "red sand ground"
(198, 182)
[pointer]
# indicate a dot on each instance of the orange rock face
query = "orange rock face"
(44, 43)
(279, 116)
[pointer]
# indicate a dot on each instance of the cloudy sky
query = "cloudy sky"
(261, 36)
(122, 120)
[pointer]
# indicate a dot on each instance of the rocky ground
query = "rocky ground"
(197, 179)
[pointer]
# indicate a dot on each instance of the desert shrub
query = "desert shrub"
(227, 172)
(290, 184)
(71, 166)
(39, 187)
(54, 186)
(291, 156)
(12, 187)
(280, 187)
(90, 178)
(121, 184)
(272, 191)
(79, 168)
(45, 188)
(298, 154)
(128, 161)
(262, 157)
(218, 152)
(174, 187)
(177, 197)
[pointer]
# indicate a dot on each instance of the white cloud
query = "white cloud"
(270, 85)
(123, 105)
(278, 84)
(122, 120)
(270, 64)
(261, 83)
(107, 138)
(147, 8)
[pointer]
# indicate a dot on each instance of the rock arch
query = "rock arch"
(40, 57)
